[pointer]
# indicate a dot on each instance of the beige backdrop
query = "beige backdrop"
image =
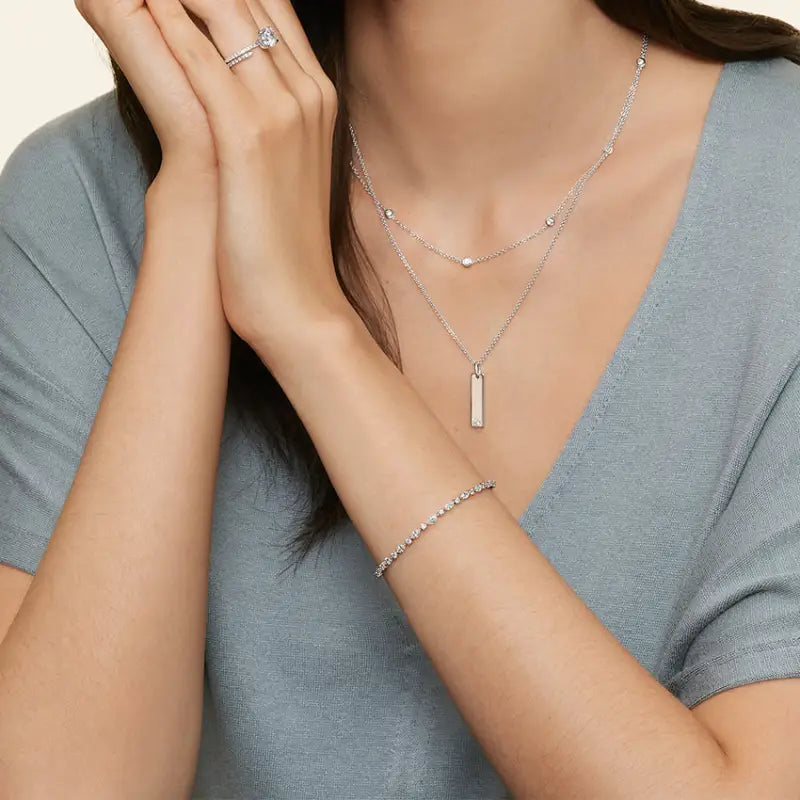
(67, 66)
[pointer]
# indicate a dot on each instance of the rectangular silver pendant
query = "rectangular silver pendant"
(476, 400)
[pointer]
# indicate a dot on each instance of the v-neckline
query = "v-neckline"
(611, 378)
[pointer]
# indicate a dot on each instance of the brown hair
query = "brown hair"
(253, 394)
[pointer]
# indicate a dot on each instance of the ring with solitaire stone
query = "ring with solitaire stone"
(267, 38)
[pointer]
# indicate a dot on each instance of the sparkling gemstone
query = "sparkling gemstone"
(431, 519)
(608, 150)
(640, 62)
(388, 213)
(401, 548)
(415, 534)
(440, 512)
(467, 262)
(456, 499)
(267, 38)
(464, 495)
(422, 526)
(448, 506)
(408, 541)
(550, 221)
(479, 488)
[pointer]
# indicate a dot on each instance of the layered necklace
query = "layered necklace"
(557, 221)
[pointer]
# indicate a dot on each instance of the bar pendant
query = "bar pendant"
(476, 400)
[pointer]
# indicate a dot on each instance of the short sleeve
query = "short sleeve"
(58, 300)
(741, 619)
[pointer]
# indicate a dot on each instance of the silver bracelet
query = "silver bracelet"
(414, 535)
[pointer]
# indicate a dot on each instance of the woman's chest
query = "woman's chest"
(543, 320)
(540, 360)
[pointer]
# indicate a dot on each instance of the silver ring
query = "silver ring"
(267, 38)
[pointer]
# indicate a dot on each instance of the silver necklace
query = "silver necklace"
(477, 376)
(391, 214)
(549, 222)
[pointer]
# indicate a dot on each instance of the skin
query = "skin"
(559, 706)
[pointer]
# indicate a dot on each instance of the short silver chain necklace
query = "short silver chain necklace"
(391, 214)
(477, 411)
(549, 222)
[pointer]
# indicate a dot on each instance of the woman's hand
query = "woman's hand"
(272, 119)
(179, 119)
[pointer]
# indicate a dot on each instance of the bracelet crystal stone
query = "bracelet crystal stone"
(414, 535)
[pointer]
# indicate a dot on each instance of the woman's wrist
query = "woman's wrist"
(181, 207)
(177, 184)
(180, 220)
(296, 345)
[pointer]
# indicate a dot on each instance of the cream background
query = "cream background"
(68, 65)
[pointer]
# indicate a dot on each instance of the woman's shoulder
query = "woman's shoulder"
(782, 74)
(747, 224)
(71, 211)
(755, 132)
(86, 154)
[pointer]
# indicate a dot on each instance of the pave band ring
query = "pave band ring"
(267, 38)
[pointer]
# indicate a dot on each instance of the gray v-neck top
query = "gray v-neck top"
(673, 510)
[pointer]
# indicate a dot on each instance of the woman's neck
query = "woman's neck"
(452, 94)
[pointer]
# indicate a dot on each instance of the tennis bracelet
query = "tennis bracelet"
(414, 535)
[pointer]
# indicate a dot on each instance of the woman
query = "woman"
(577, 577)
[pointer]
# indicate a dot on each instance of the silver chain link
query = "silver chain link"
(389, 213)
(574, 193)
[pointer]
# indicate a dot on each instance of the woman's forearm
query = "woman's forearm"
(101, 671)
(560, 707)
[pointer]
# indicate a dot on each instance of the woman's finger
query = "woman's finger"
(302, 86)
(220, 91)
(282, 54)
(288, 23)
(232, 28)
(136, 44)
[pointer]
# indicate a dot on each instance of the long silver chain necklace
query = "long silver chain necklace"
(477, 376)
